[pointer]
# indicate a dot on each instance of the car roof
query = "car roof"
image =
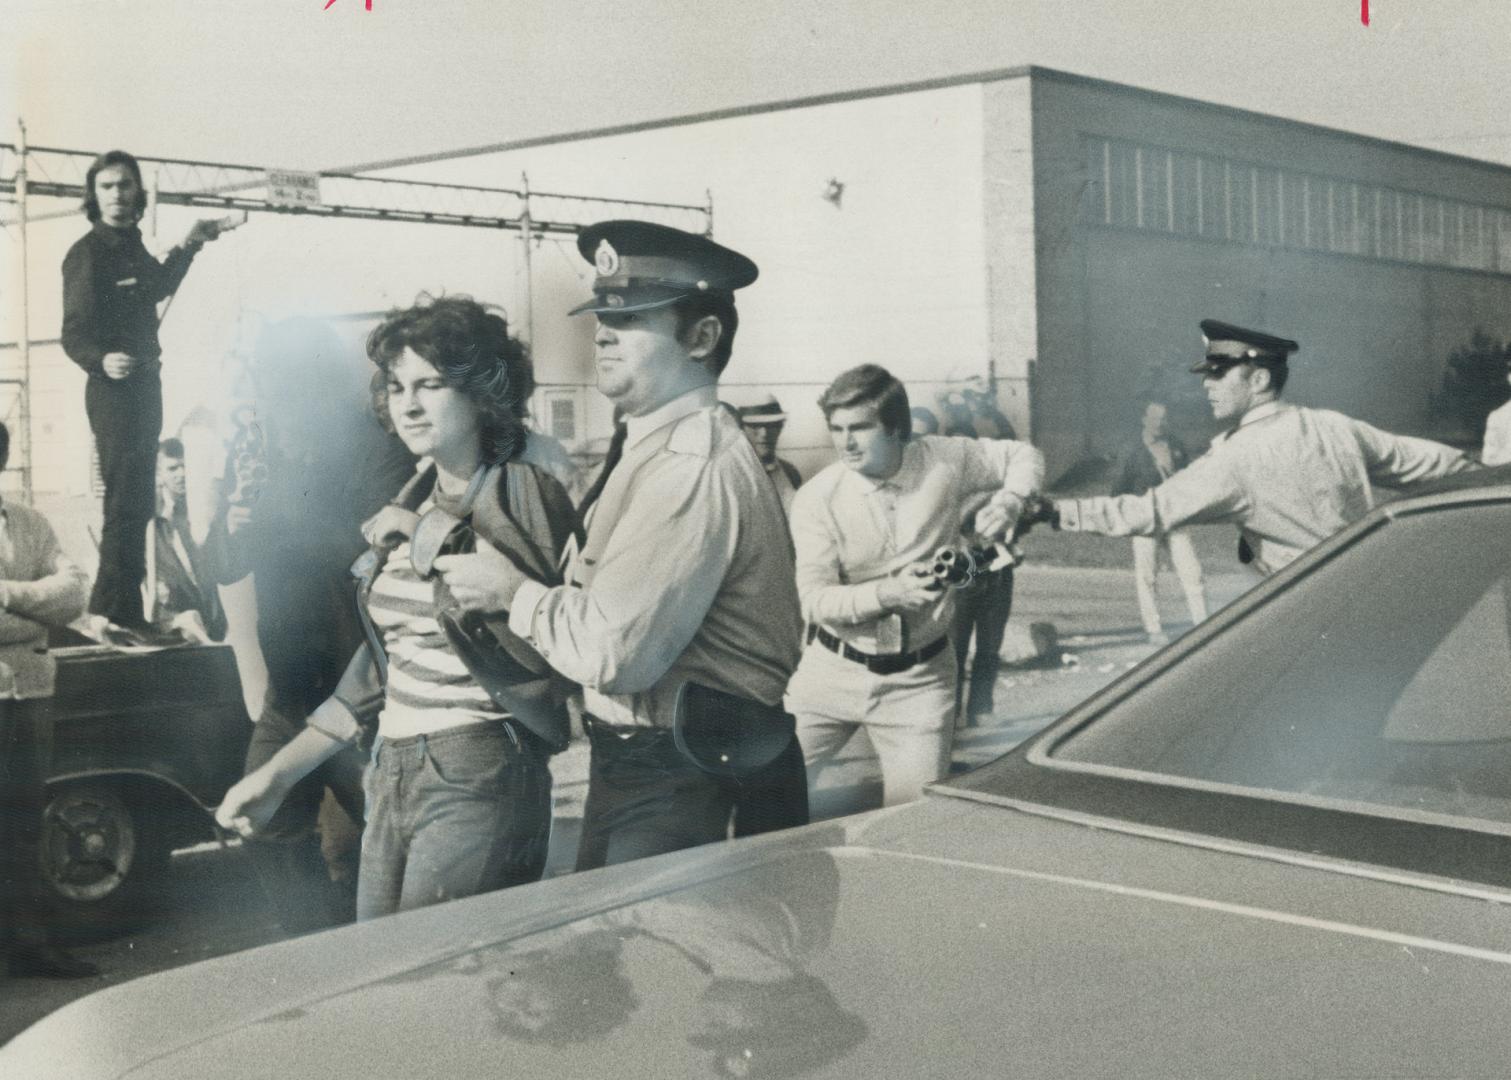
(1492, 482)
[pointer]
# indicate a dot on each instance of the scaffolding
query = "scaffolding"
(32, 172)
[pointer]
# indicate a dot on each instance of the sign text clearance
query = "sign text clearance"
(289, 188)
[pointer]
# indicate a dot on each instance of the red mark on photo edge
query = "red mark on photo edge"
(1363, 10)
(328, 4)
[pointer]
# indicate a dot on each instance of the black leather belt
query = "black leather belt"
(598, 730)
(879, 665)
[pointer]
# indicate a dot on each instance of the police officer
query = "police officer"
(681, 604)
(1287, 476)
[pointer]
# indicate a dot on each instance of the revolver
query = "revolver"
(956, 567)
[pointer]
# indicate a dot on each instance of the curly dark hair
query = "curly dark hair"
(469, 345)
(104, 161)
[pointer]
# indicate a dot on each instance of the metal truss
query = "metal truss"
(30, 172)
(55, 173)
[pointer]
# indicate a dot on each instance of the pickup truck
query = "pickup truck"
(145, 744)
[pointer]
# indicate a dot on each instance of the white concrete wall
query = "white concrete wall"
(893, 275)
(1009, 233)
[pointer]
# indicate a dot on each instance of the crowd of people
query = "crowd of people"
(717, 627)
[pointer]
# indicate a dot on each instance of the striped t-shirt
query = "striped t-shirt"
(429, 688)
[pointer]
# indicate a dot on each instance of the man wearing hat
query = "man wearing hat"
(1287, 476)
(681, 604)
(762, 418)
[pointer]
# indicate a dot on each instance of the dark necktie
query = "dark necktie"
(610, 459)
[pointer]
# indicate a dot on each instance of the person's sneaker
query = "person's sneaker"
(49, 962)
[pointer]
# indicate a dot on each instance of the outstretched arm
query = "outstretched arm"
(1396, 461)
(1205, 492)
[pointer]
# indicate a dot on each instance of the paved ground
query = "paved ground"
(210, 904)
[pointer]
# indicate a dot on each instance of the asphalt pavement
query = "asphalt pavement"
(210, 904)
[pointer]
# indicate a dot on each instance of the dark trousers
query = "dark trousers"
(775, 797)
(25, 757)
(126, 417)
(646, 798)
(982, 609)
(286, 854)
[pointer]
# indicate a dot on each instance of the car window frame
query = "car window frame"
(1030, 776)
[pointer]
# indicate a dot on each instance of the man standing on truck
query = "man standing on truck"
(39, 588)
(111, 288)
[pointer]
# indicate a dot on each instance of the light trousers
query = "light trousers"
(1177, 544)
(909, 716)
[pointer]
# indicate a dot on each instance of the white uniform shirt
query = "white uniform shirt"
(686, 574)
(1287, 476)
(852, 532)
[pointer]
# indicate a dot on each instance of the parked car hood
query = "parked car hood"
(948, 938)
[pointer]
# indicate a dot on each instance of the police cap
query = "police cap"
(1227, 345)
(641, 265)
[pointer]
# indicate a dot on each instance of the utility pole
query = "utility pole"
(525, 231)
(25, 397)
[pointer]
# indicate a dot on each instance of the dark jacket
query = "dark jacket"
(111, 288)
(172, 585)
(1137, 471)
(528, 516)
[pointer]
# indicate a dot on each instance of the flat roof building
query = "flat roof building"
(1058, 235)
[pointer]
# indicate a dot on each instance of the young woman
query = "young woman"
(466, 714)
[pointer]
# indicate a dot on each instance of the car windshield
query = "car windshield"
(1379, 681)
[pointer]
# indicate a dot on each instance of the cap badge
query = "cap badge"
(606, 259)
(613, 299)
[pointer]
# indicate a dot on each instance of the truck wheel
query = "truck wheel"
(98, 865)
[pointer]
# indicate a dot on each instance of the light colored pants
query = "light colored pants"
(1182, 552)
(908, 716)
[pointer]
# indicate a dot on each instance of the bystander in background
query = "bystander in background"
(179, 592)
(111, 288)
(1149, 461)
(1497, 448)
(762, 419)
(39, 589)
(983, 607)
(308, 466)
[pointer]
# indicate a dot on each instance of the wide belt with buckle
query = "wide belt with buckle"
(879, 665)
(599, 730)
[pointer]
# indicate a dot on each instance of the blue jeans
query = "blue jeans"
(462, 811)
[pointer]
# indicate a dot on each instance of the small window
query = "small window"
(563, 418)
